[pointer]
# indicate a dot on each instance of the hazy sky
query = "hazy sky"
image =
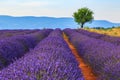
(103, 9)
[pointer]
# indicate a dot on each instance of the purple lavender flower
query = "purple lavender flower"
(51, 59)
(15, 47)
(102, 56)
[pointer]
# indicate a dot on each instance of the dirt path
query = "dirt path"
(86, 70)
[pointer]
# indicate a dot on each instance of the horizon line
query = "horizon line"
(52, 17)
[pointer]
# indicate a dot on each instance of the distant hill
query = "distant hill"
(30, 22)
(102, 23)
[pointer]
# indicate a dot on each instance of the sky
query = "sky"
(103, 9)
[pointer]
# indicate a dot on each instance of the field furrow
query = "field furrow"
(85, 68)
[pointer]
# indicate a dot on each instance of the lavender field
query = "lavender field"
(43, 54)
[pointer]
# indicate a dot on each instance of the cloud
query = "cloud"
(25, 3)
(35, 4)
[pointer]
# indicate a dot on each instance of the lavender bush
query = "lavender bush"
(102, 56)
(16, 46)
(51, 59)
(111, 39)
(10, 33)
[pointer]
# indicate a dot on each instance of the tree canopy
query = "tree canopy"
(83, 15)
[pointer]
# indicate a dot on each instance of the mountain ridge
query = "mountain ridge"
(33, 22)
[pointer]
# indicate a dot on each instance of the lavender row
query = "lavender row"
(111, 39)
(9, 33)
(50, 60)
(102, 56)
(14, 47)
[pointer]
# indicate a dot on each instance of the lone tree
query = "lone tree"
(83, 15)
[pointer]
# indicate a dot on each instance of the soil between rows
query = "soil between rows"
(86, 70)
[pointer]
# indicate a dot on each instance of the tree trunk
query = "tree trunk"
(82, 25)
